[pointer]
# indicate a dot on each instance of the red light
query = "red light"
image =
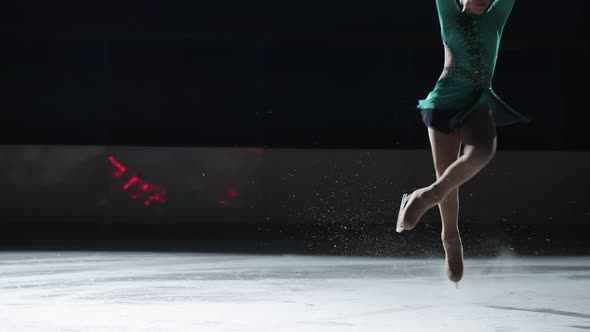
(233, 193)
(138, 189)
(222, 201)
(120, 168)
(134, 179)
(159, 196)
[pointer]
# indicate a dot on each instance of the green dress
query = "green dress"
(474, 41)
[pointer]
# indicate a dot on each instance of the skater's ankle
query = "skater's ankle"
(431, 194)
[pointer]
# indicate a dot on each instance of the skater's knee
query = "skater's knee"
(483, 153)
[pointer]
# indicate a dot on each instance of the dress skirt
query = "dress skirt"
(453, 100)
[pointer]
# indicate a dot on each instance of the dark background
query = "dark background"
(271, 73)
(320, 76)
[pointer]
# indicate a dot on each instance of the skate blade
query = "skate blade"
(400, 225)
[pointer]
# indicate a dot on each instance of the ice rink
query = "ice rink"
(149, 291)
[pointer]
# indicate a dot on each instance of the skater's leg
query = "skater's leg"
(478, 135)
(445, 151)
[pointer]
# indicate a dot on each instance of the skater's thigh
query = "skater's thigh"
(445, 149)
(479, 129)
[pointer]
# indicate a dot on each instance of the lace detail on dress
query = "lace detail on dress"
(469, 31)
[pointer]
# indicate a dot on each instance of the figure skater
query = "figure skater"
(463, 110)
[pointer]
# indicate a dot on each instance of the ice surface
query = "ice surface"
(132, 291)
